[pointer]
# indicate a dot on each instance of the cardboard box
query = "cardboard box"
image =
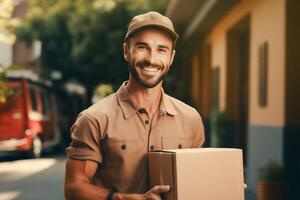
(198, 174)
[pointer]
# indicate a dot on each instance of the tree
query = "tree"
(83, 39)
(7, 21)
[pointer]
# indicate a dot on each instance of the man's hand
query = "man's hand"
(153, 194)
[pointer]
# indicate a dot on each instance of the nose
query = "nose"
(151, 57)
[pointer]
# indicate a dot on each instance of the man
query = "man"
(107, 158)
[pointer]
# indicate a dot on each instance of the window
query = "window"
(46, 103)
(33, 99)
(263, 74)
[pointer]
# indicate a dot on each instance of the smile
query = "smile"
(151, 69)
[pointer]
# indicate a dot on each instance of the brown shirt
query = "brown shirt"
(117, 135)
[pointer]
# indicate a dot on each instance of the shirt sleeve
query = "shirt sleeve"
(199, 134)
(86, 140)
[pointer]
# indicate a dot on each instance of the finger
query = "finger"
(161, 189)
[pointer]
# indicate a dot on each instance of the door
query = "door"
(237, 89)
(12, 112)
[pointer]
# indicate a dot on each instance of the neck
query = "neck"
(148, 98)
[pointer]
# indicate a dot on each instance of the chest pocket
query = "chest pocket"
(122, 148)
(176, 143)
(122, 158)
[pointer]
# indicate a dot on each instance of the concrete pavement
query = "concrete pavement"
(32, 179)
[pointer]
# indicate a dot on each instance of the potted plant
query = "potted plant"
(272, 184)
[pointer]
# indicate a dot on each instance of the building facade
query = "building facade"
(240, 58)
(14, 51)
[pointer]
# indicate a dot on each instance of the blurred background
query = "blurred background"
(236, 63)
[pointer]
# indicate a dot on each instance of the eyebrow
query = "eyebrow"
(163, 46)
(146, 44)
(141, 43)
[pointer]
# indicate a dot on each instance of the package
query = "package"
(198, 174)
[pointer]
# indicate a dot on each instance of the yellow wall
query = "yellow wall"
(267, 23)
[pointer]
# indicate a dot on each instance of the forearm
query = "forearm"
(78, 184)
(81, 190)
(86, 191)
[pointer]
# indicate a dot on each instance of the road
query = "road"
(32, 179)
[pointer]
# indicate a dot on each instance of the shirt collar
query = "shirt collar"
(166, 105)
(125, 102)
(129, 109)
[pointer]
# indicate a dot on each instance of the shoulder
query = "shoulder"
(99, 111)
(184, 112)
(102, 107)
(180, 107)
(189, 115)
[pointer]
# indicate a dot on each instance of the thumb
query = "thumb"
(161, 189)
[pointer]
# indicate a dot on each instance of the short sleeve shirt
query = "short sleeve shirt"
(116, 134)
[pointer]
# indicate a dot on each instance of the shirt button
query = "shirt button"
(147, 122)
(123, 146)
(152, 147)
(180, 146)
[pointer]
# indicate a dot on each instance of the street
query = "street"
(32, 179)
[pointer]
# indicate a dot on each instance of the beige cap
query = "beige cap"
(151, 19)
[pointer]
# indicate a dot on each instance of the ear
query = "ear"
(125, 51)
(172, 57)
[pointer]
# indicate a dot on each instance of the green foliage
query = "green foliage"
(217, 128)
(5, 90)
(104, 90)
(83, 39)
(3, 86)
(272, 172)
(7, 22)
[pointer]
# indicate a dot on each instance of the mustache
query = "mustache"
(146, 63)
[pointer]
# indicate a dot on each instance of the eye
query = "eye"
(141, 47)
(162, 50)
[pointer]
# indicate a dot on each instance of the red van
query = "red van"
(29, 118)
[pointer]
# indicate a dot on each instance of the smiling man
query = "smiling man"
(107, 158)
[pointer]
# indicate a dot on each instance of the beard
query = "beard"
(145, 63)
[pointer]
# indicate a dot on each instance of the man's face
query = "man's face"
(149, 54)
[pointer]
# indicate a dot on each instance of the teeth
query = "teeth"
(151, 69)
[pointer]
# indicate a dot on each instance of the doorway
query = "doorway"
(237, 89)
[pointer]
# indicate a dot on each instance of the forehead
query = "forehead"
(152, 35)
